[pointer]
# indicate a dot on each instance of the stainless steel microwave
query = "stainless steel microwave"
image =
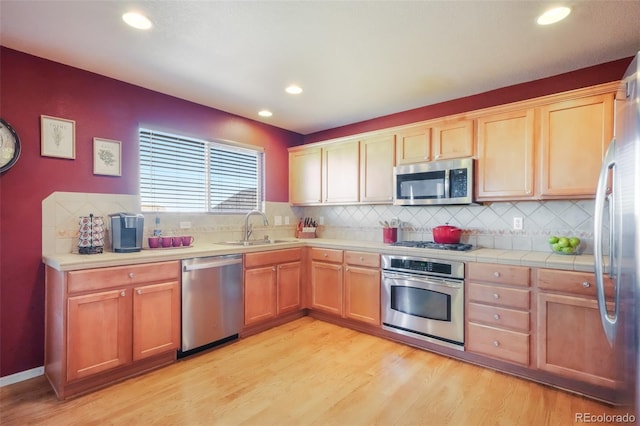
(437, 182)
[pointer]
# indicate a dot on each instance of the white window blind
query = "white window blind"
(179, 174)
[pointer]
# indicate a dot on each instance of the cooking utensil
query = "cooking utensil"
(446, 234)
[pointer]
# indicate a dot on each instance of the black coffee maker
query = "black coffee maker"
(126, 232)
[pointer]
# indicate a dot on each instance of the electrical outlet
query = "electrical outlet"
(517, 223)
(185, 225)
(277, 220)
(321, 220)
(287, 220)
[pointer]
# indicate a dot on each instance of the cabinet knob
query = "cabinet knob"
(131, 275)
(496, 316)
(273, 268)
(496, 274)
(123, 293)
(496, 296)
(346, 269)
(496, 343)
(586, 284)
(139, 291)
(325, 255)
(361, 259)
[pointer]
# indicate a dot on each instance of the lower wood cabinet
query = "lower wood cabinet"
(105, 324)
(326, 280)
(272, 284)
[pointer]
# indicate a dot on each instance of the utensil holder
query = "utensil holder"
(91, 234)
(389, 235)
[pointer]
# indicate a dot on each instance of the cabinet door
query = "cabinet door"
(326, 287)
(341, 172)
(453, 140)
(574, 138)
(289, 297)
(413, 145)
(571, 342)
(505, 156)
(98, 332)
(156, 319)
(362, 294)
(259, 294)
(377, 158)
(305, 176)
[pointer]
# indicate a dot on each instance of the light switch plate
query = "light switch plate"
(277, 220)
(286, 220)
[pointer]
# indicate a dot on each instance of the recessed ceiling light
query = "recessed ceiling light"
(554, 15)
(265, 113)
(137, 20)
(293, 89)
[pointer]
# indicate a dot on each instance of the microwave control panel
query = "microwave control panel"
(458, 183)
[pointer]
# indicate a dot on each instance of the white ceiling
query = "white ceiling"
(356, 60)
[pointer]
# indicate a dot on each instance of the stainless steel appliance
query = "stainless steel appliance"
(211, 301)
(126, 232)
(436, 182)
(618, 194)
(424, 298)
(434, 245)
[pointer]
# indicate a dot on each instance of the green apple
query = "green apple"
(568, 250)
(563, 241)
(556, 247)
(553, 239)
(574, 241)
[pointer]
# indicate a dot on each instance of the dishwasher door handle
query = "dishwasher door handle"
(212, 264)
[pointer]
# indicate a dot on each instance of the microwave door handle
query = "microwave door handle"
(609, 323)
(446, 184)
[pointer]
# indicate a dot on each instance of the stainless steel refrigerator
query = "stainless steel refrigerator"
(616, 221)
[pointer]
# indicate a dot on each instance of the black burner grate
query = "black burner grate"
(434, 245)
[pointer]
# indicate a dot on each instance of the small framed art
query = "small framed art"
(57, 137)
(107, 157)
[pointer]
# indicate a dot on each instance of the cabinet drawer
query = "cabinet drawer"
(497, 343)
(579, 283)
(326, 255)
(358, 258)
(498, 274)
(253, 260)
(499, 317)
(101, 278)
(501, 296)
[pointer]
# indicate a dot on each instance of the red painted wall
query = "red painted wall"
(585, 77)
(101, 107)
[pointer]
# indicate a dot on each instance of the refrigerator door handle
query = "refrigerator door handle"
(609, 321)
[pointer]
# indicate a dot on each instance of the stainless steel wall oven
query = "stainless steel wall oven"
(424, 298)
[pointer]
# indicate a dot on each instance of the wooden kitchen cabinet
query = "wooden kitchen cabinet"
(498, 317)
(105, 324)
(326, 280)
(505, 164)
(377, 159)
(341, 172)
(305, 176)
(362, 287)
(452, 139)
(570, 340)
(413, 145)
(574, 137)
(272, 283)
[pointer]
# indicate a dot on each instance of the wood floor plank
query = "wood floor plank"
(306, 372)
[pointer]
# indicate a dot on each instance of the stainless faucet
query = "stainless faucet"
(247, 228)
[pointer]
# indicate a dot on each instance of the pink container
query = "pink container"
(176, 241)
(389, 235)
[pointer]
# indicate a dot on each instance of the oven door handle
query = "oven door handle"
(432, 281)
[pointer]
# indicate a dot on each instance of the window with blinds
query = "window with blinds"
(179, 174)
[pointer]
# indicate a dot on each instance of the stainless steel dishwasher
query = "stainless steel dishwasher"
(211, 301)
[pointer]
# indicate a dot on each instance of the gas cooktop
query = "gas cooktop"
(433, 245)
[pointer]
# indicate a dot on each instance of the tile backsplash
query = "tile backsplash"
(483, 225)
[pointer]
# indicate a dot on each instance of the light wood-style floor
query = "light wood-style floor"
(307, 372)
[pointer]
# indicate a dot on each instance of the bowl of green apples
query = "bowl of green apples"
(564, 245)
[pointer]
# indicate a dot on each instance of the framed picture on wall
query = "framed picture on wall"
(57, 137)
(107, 157)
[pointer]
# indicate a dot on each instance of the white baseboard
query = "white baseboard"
(21, 376)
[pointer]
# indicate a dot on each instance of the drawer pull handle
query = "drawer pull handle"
(131, 274)
(496, 316)
(139, 291)
(496, 296)
(361, 259)
(496, 343)
(496, 274)
(586, 284)
(123, 293)
(325, 255)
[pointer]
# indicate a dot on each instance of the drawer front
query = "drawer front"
(498, 274)
(507, 345)
(326, 255)
(357, 258)
(579, 283)
(102, 278)
(498, 317)
(500, 296)
(254, 260)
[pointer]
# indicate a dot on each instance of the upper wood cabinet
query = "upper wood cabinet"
(505, 156)
(573, 140)
(413, 145)
(340, 172)
(377, 158)
(305, 176)
(452, 139)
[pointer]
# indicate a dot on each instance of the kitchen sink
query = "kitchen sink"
(251, 242)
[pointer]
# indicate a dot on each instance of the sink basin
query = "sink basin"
(251, 242)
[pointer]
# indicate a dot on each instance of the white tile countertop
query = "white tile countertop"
(71, 261)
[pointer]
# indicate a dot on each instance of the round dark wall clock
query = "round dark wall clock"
(9, 146)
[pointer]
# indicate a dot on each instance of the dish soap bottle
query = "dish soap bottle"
(157, 232)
